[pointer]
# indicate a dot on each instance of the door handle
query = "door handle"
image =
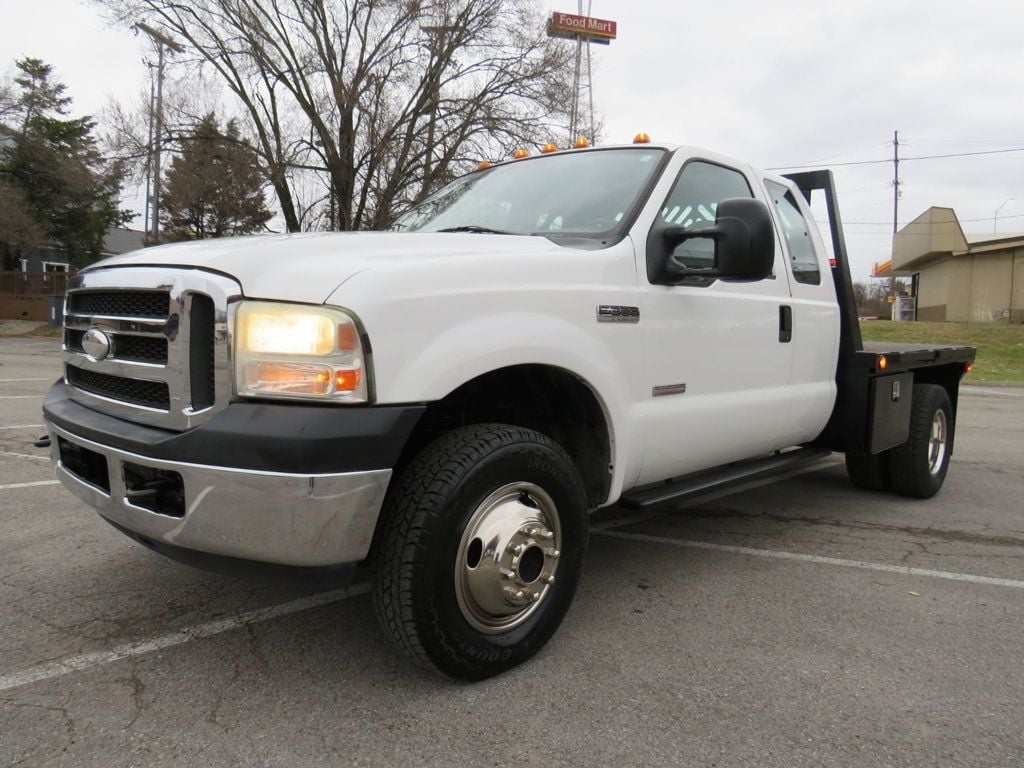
(785, 324)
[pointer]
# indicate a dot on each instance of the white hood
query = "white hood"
(309, 267)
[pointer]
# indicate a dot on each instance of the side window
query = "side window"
(802, 258)
(693, 202)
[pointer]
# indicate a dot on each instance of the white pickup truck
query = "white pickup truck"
(445, 403)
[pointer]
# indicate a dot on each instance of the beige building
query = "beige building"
(974, 278)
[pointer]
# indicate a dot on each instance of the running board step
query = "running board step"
(720, 478)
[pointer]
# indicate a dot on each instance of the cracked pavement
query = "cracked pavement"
(669, 656)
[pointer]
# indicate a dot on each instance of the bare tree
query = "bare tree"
(386, 98)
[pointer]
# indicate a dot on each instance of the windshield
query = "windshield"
(583, 194)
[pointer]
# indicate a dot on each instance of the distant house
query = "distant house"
(49, 259)
(974, 278)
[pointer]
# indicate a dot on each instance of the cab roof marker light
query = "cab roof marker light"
(642, 138)
(581, 143)
(520, 153)
(483, 165)
(549, 147)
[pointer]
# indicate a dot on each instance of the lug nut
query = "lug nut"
(506, 574)
(547, 578)
(552, 552)
(516, 549)
(546, 535)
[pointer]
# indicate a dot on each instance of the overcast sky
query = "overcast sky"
(776, 84)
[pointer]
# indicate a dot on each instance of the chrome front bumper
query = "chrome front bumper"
(269, 517)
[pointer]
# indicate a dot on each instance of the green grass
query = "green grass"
(1000, 347)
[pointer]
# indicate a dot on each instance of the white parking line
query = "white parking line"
(29, 485)
(781, 555)
(21, 397)
(208, 629)
(24, 455)
(25, 426)
(7, 381)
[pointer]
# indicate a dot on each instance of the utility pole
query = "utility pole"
(895, 207)
(161, 41)
(149, 149)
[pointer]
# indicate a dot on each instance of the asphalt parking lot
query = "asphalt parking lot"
(798, 623)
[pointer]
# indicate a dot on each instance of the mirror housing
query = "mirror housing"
(744, 245)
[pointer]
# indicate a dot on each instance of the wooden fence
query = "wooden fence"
(33, 283)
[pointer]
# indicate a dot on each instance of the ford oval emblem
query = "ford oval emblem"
(96, 344)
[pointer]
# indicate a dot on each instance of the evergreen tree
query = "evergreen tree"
(56, 183)
(214, 187)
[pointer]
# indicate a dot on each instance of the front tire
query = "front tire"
(479, 549)
(918, 467)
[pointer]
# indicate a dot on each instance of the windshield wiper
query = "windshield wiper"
(479, 230)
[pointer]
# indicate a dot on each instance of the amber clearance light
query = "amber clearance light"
(549, 147)
(581, 143)
(520, 153)
(642, 138)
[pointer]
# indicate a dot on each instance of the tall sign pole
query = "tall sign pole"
(584, 30)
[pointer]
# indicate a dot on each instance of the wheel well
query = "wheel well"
(539, 397)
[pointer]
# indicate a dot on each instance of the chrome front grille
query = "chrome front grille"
(121, 303)
(163, 359)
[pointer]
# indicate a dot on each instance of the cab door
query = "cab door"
(717, 366)
(815, 310)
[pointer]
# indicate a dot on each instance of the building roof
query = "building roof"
(983, 243)
(119, 240)
(936, 235)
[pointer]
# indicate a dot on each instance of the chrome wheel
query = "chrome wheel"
(937, 442)
(507, 557)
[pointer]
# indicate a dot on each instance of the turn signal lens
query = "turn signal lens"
(581, 143)
(346, 381)
(883, 362)
(519, 154)
(288, 378)
(549, 147)
(641, 138)
(968, 368)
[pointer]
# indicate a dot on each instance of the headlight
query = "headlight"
(298, 351)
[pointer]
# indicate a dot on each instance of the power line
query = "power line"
(966, 154)
(940, 221)
(902, 159)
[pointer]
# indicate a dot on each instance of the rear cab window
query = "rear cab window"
(804, 264)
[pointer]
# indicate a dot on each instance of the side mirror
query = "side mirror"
(744, 245)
